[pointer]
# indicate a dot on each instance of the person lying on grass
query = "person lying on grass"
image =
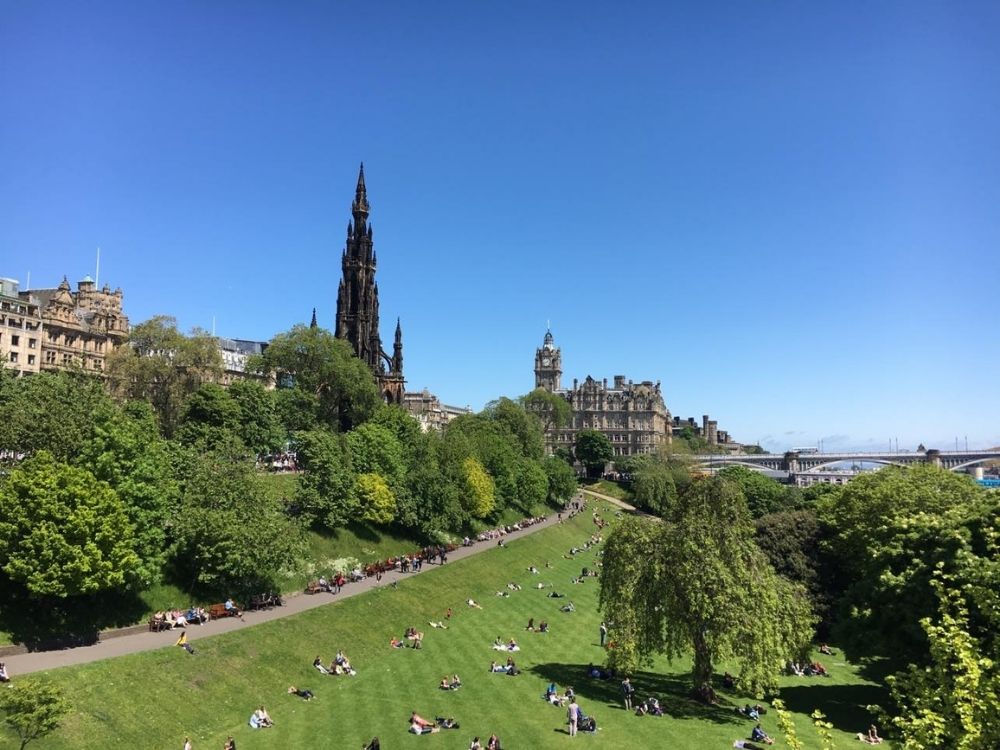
(394, 643)
(420, 725)
(306, 695)
(494, 667)
(437, 624)
(473, 603)
(318, 664)
(446, 723)
(567, 608)
(555, 595)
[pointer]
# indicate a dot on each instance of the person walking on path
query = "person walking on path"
(604, 632)
(627, 692)
(573, 714)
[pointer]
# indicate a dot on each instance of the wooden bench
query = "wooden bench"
(313, 587)
(155, 625)
(219, 610)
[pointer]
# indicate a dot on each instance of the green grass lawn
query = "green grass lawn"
(153, 700)
(611, 489)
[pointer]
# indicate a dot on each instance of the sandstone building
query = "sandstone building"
(632, 415)
(62, 329)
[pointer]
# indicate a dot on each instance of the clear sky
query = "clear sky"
(788, 213)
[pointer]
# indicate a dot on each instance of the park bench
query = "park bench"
(313, 587)
(219, 610)
(267, 600)
(156, 625)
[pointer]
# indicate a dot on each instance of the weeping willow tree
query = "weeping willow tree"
(695, 582)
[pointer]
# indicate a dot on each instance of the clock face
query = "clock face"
(546, 361)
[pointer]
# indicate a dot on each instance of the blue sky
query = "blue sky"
(785, 212)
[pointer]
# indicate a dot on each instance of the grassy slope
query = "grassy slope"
(154, 699)
(611, 489)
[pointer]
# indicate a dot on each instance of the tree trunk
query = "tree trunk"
(702, 671)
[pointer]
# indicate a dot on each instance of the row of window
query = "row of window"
(15, 340)
(50, 359)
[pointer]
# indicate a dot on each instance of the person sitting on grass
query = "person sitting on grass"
(512, 669)
(872, 737)
(824, 649)
(455, 683)
(261, 719)
(476, 744)
(543, 627)
(493, 743)
(420, 725)
(345, 664)
(512, 646)
(567, 608)
(306, 695)
(4, 677)
(373, 745)
(531, 625)
(498, 644)
(759, 735)
(183, 643)
(555, 595)
(444, 684)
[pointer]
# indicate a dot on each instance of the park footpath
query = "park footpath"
(137, 639)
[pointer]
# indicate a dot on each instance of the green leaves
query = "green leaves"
(32, 709)
(63, 532)
(697, 582)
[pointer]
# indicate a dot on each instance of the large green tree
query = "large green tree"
(764, 495)
(324, 369)
(210, 416)
(232, 537)
(325, 488)
(593, 450)
(62, 532)
(49, 411)
(126, 451)
(696, 583)
(258, 425)
(551, 409)
(653, 485)
(890, 531)
(953, 702)
(163, 366)
(32, 709)
(562, 480)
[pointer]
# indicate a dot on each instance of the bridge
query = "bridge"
(794, 463)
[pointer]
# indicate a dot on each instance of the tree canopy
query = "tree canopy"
(696, 581)
(63, 532)
(593, 450)
(32, 709)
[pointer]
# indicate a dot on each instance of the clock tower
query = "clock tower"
(548, 365)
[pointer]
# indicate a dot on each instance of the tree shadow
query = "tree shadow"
(672, 690)
(845, 706)
(48, 623)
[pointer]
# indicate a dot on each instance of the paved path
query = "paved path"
(146, 641)
(607, 498)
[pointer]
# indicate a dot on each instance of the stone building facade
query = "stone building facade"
(358, 305)
(428, 410)
(62, 329)
(632, 415)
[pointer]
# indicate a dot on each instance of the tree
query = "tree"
(375, 499)
(891, 530)
(374, 449)
(62, 532)
(565, 453)
(791, 540)
(954, 702)
(126, 451)
(49, 411)
(562, 480)
(210, 416)
(163, 366)
(479, 488)
(258, 425)
(231, 536)
(696, 582)
(325, 487)
(764, 495)
(313, 361)
(523, 425)
(551, 409)
(593, 450)
(32, 709)
(653, 486)
(532, 485)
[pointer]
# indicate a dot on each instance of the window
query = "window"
(15, 340)
(13, 356)
(31, 359)
(50, 358)
(67, 359)
(32, 343)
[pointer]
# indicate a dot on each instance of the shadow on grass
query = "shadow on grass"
(672, 690)
(844, 705)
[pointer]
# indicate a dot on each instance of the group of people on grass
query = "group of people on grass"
(340, 665)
